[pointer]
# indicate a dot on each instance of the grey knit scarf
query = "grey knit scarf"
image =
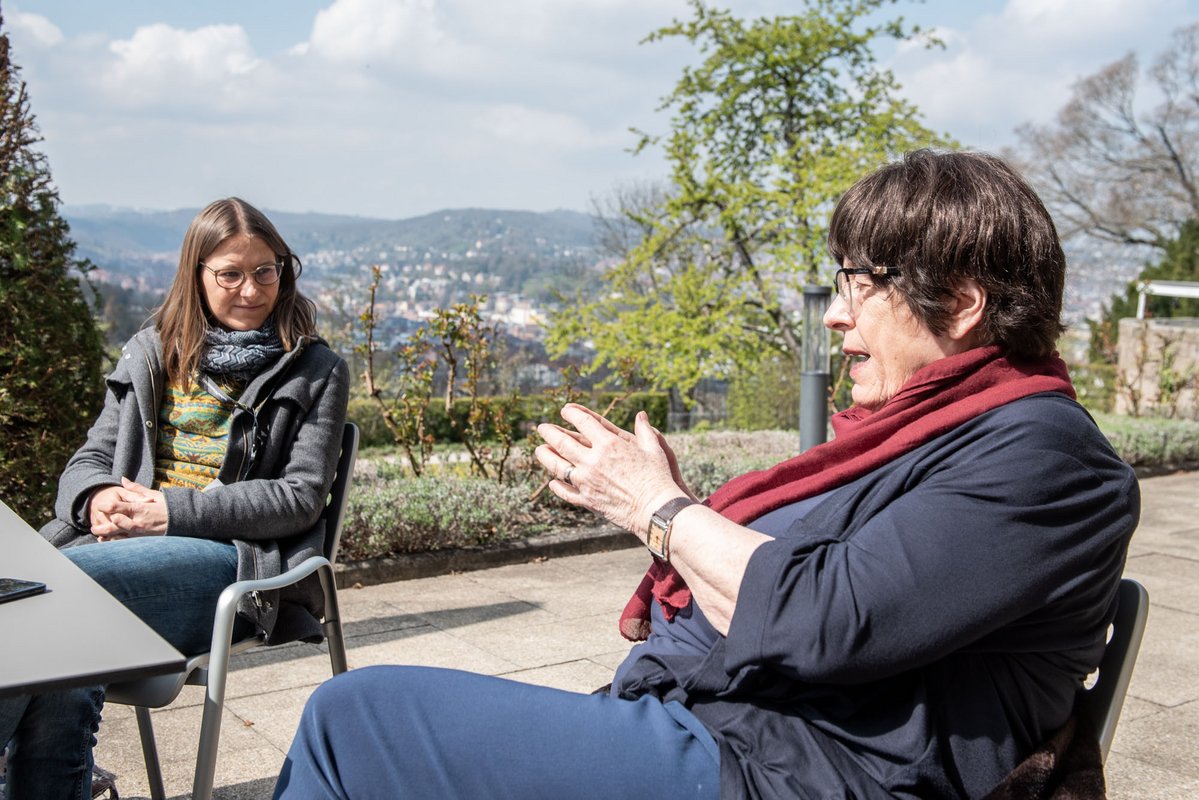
(240, 355)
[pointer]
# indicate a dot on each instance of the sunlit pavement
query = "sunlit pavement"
(553, 622)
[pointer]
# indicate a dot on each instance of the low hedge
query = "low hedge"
(709, 459)
(431, 513)
(1153, 444)
(391, 512)
(530, 410)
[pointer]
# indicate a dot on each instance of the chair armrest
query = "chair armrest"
(161, 690)
(293, 575)
(231, 595)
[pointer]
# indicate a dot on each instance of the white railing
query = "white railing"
(1164, 289)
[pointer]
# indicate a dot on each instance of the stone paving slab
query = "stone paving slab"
(552, 621)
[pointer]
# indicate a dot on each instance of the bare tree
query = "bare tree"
(1113, 170)
(625, 216)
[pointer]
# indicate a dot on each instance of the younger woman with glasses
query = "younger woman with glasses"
(210, 462)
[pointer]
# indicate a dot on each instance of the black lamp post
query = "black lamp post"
(815, 378)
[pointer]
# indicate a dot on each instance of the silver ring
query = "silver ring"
(566, 477)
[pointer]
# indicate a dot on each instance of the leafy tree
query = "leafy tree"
(1114, 170)
(780, 117)
(120, 311)
(50, 349)
(764, 396)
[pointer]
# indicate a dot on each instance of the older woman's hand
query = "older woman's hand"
(624, 477)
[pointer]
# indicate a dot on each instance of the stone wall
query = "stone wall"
(1158, 368)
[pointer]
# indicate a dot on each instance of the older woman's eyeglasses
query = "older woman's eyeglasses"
(844, 284)
(232, 278)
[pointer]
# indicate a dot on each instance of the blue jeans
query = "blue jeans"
(396, 732)
(172, 583)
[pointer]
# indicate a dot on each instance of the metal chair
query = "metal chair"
(1101, 704)
(211, 669)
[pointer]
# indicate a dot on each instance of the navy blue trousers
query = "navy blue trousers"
(416, 732)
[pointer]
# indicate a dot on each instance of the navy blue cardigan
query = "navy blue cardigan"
(922, 629)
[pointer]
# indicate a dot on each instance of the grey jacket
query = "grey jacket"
(270, 494)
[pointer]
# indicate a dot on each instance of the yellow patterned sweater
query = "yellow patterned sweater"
(193, 435)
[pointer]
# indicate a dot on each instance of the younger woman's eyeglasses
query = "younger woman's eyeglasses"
(232, 278)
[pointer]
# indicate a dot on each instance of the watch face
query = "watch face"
(655, 537)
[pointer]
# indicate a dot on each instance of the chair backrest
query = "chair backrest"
(1101, 704)
(339, 493)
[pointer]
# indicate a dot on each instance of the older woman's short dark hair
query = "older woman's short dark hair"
(943, 217)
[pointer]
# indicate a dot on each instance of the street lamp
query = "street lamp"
(814, 380)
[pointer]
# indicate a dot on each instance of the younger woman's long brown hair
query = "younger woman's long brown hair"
(183, 318)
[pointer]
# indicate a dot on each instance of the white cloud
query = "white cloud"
(560, 26)
(164, 65)
(214, 50)
(358, 30)
(396, 107)
(384, 110)
(403, 33)
(531, 127)
(1069, 21)
(1018, 65)
(36, 27)
(979, 99)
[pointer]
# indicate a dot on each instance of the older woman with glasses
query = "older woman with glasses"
(210, 462)
(905, 611)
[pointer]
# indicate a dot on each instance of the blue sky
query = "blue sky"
(392, 108)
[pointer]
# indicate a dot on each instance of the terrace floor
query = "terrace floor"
(553, 622)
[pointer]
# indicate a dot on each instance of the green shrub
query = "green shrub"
(364, 412)
(388, 515)
(709, 459)
(1152, 442)
(51, 353)
(531, 410)
(390, 512)
(765, 396)
(1095, 384)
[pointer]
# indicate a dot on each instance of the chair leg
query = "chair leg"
(332, 623)
(210, 733)
(214, 696)
(145, 729)
(337, 646)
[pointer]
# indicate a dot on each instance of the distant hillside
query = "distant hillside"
(103, 232)
(450, 232)
(519, 246)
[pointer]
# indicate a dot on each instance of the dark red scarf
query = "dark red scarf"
(935, 400)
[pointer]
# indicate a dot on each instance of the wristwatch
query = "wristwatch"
(657, 538)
